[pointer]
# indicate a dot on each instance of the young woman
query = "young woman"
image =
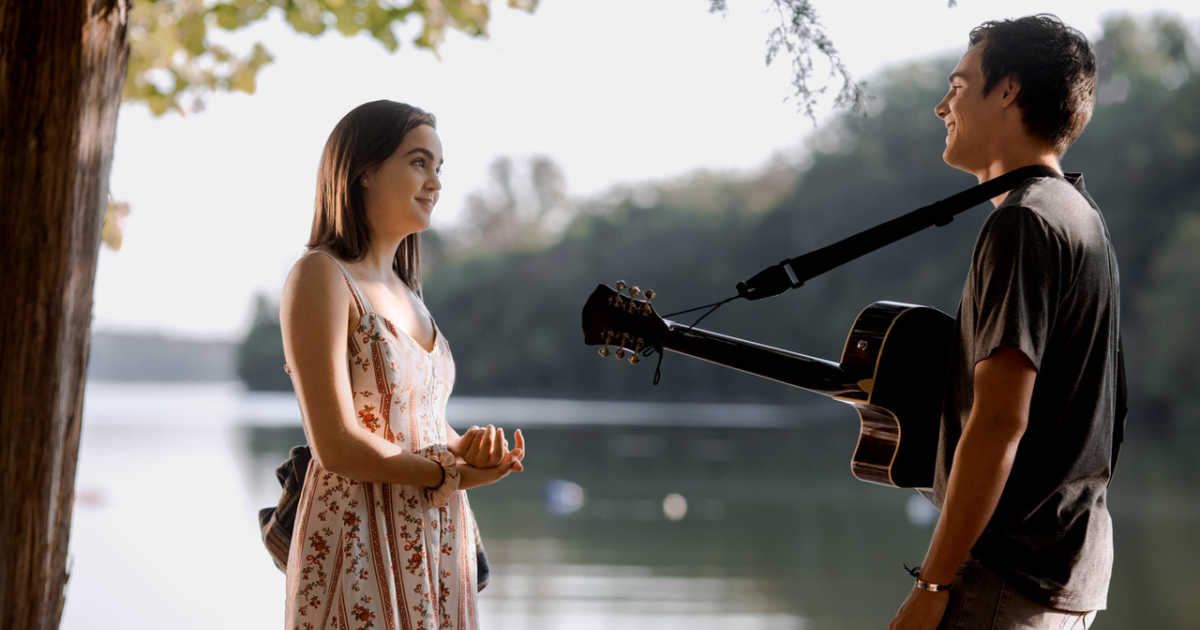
(384, 536)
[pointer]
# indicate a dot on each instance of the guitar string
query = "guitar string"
(658, 347)
(713, 305)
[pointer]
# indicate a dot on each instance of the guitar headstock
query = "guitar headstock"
(626, 322)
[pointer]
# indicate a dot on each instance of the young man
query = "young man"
(1035, 405)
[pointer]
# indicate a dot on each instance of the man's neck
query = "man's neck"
(1011, 162)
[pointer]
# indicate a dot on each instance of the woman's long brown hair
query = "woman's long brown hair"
(363, 138)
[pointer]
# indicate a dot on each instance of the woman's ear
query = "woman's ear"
(368, 174)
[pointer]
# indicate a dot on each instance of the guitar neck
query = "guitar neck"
(784, 366)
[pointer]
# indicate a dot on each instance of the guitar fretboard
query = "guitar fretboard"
(784, 366)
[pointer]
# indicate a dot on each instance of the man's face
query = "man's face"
(970, 117)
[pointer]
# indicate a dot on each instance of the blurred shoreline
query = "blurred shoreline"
(185, 403)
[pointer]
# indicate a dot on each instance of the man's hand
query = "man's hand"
(922, 610)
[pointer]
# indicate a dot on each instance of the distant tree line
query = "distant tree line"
(512, 314)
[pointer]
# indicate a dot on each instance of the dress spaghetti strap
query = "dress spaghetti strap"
(360, 300)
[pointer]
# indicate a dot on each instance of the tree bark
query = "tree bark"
(62, 64)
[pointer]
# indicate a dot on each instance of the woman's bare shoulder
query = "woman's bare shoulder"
(315, 288)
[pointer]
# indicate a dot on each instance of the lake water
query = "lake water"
(628, 515)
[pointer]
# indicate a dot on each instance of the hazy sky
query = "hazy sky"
(614, 91)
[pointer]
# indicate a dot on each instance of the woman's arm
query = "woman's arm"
(313, 318)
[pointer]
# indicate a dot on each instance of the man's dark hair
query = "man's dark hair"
(1056, 69)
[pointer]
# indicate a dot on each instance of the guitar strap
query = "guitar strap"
(794, 272)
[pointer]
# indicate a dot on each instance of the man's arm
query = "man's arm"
(982, 462)
(984, 457)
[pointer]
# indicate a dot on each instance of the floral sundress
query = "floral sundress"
(368, 555)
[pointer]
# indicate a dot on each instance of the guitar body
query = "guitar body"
(897, 353)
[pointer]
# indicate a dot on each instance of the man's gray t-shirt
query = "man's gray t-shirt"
(1043, 280)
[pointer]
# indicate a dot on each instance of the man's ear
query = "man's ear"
(1009, 88)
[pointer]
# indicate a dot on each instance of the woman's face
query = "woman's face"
(402, 190)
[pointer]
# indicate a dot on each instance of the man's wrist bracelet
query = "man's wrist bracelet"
(931, 587)
(922, 584)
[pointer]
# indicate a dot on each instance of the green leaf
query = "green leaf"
(243, 79)
(192, 31)
(229, 17)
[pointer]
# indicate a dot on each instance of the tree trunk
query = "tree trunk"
(62, 64)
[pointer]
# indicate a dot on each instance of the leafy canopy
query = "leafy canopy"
(173, 64)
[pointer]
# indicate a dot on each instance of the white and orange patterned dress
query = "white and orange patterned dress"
(370, 555)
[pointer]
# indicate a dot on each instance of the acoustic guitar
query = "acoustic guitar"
(891, 371)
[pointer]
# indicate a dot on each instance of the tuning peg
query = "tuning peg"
(646, 308)
(625, 342)
(634, 291)
(633, 359)
(604, 351)
(641, 343)
(620, 285)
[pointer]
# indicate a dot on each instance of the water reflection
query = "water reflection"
(770, 530)
(563, 497)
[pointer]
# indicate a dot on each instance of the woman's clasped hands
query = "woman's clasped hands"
(485, 455)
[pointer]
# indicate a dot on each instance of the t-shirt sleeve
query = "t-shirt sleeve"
(1015, 277)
